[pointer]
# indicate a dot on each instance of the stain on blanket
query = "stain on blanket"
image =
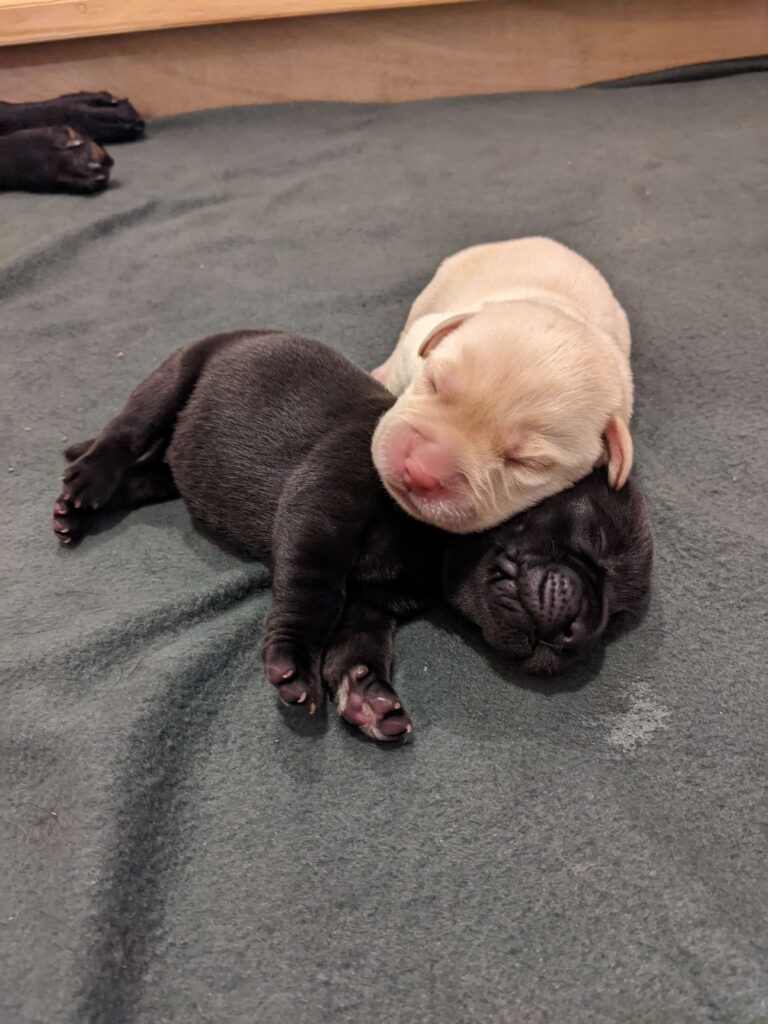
(633, 728)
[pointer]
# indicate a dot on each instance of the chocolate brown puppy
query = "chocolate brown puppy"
(266, 436)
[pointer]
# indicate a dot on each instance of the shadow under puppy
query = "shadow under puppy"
(267, 436)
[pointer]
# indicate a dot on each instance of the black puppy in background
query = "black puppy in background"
(54, 145)
(267, 438)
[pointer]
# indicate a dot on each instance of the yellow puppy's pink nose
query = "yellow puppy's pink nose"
(417, 479)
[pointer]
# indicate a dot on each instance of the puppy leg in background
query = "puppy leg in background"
(98, 115)
(53, 145)
(382, 373)
(357, 668)
(144, 425)
(55, 159)
(314, 548)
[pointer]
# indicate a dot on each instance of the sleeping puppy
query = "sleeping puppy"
(514, 382)
(267, 436)
(54, 145)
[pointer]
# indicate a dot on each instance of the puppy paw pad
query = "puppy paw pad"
(371, 705)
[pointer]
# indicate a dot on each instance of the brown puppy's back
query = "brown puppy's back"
(257, 410)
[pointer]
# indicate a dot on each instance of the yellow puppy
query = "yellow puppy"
(514, 382)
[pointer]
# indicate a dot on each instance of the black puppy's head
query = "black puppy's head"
(544, 586)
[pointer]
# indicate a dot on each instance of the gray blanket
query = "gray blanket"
(176, 849)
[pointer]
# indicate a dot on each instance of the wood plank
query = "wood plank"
(43, 20)
(390, 55)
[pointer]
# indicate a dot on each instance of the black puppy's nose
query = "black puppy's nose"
(554, 596)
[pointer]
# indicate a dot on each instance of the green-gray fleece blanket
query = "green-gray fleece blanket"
(172, 849)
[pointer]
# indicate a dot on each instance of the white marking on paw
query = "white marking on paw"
(342, 695)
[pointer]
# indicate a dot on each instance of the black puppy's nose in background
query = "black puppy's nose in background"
(554, 596)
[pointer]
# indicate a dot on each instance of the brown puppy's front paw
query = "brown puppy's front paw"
(90, 482)
(289, 671)
(67, 521)
(364, 700)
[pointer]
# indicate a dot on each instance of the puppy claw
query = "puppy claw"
(66, 522)
(292, 693)
(382, 705)
(277, 673)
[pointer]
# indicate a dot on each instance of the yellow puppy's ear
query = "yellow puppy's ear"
(618, 443)
(441, 331)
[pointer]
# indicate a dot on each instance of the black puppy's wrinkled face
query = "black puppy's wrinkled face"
(544, 586)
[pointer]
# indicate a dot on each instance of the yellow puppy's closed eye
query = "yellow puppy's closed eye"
(532, 463)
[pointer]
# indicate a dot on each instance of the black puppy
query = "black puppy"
(53, 146)
(267, 436)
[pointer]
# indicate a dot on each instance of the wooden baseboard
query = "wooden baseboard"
(390, 55)
(36, 21)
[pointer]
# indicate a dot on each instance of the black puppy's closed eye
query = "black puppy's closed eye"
(601, 542)
(518, 523)
(588, 533)
(592, 544)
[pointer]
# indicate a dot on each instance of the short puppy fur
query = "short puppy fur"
(513, 379)
(267, 436)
